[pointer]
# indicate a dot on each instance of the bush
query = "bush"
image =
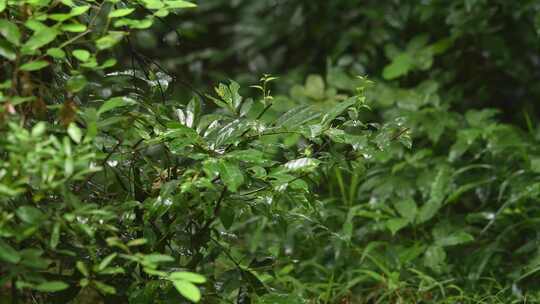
(120, 181)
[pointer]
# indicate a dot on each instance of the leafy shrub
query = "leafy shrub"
(115, 186)
(112, 191)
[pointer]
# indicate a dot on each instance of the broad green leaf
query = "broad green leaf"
(56, 53)
(34, 65)
(435, 258)
(79, 10)
(439, 188)
(230, 174)
(109, 40)
(74, 132)
(314, 87)
(52, 286)
(74, 27)
(454, 238)
(406, 208)
(394, 225)
(7, 51)
(187, 276)
(55, 236)
(10, 31)
(302, 164)
(179, 4)
(106, 261)
(400, 66)
(121, 12)
(114, 103)
(30, 215)
(82, 55)
(76, 83)
(8, 254)
(188, 290)
(40, 39)
(297, 116)
(338, 110)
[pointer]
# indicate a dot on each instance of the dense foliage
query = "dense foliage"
(124, 178)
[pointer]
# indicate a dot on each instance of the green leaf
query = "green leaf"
(106, 261)
(29, 214)
(187, 276)
(179, 4)
(435, 258)
(188, 290)
(109, 40)
(121, 12)
(337, 110)
(314, 87)
(7, 51)
(52, 286)
(55, 236)
(74, 132)
(82, 55)
(438, 192)
(74, 27)
(297, 116)
(302, 164)
(394, 225)
(8, 254)
(399, 66)
(79, 10)
(40, 39)
(114, 103)
(76, 83)
(34, 65)
(10, 31)
(230, 174)
(56, 53)
(406, 208)
(454, 238)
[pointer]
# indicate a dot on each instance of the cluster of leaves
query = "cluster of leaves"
(112, 190)
(453, 219)
(114, 186)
